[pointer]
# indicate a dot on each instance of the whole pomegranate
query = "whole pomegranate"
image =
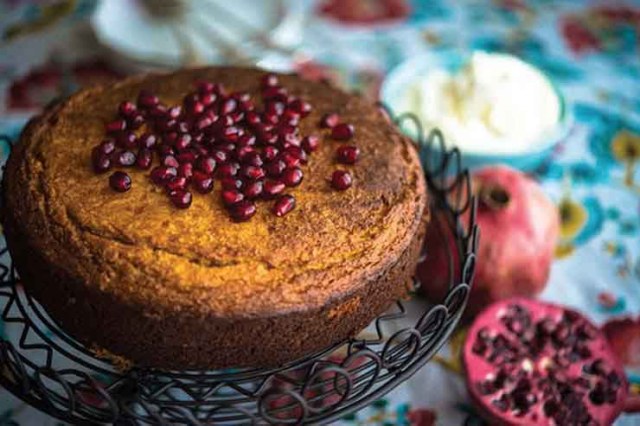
(519, 227)
(534, 363)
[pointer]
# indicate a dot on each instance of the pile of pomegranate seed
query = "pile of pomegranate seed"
(256, 153)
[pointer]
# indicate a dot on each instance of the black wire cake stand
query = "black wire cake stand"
(42, 365)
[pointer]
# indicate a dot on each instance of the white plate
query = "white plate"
(126, 28)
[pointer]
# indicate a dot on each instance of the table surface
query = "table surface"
(592, 52)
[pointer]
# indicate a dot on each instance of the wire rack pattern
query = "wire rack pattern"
(53, 372)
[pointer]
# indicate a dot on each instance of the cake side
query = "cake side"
(106, 277)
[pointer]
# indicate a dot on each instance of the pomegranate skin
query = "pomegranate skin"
(519, 227)
(540, 348)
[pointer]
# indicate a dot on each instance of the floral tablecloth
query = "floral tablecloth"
(591, 50)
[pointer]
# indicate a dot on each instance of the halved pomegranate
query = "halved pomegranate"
(534, 363)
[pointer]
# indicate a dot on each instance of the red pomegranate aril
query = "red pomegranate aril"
(164, 126)
(228, 106)
(135, 122)
(270, 118)
(228, 170)
(242, 211)
(266, 137)
(231, 183)
(180, 182)
(158, 112)
(227, 147)
(290, 160)
(174, 112)
(231, 133)
(241, 96)
(243, 151)
(183, 142)
(274, 108)
(125, 158)
(183, 127)
(181, 198)
(252, 159)
(252, 172)
(126, 140)
(269, 80)
(147, 99)
(120, 181)
(205, 87)
(147, 140)
(330, 120)
(225, 121)
(253, 190)
(275, 93)
(348, 154)
(292, 177)
(186, 157)
(283, 205)
(247, 140)
(166, 150)
(160, 175)
(206, 165)
(275, 168)
(290, 118)
(116, 126)
(101, 162)
(107, 146)
(269, 153)
(170, 161)
(342, 132)
(219, 155)
(232, 196)
(271, 188)
(202, 182)
(247, 105)
(208, 99)
(252, 118)
(185, 170)
(298, 153)
(310, 143)
(127, 109)
(195, 108)
(203, 123)
(341, 180)
(301, 107)
(144, 159)
(237, 116)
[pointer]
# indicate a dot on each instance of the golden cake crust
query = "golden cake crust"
(189, 288)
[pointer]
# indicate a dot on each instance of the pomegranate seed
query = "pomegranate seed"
(242, 152)
(127, 109)
(116, 126)
(270, 118)
(165, 126)
(271, 188)
(170, 161)
(219, 89)
(341, 180)
(144, 158)
(252, 159)
(205, 87)
(174, 112)
(100, 161)
(195, 108)
(237, 116)
(330, 120)
(135, 122)
(269, 153)
(147, 140)
(253, 118)
(290, 118)
(253, 190)
(219, 155)
(107, 146)
(202, 183)
(290, 160)
(266, 137)
(206, 165)
(292, 176)
(147, 99)
(166, 150)
(252, 172)
(228, 106)
(179, 182)
(348, 154)
(275, 168)
(342, 132)
(242, 211)
(283, 205)
(274, 108)
(185, 170)
(200, 151)
(225, 121)
(208, 98)
(158, 112)
(228, 169)
(247, 105)
(125, 158)
(301, 107)
(197, 137)
(203, 123)
(180, 198)
(160, 175)
(230, 134)
(310, 143)
(247, 140)
(186, 157)
(183, 142)
(290, 140)
(182, 127)
(120, 181)
(269, 80)
(232, 196)
(126, 140)
(231, 183)
(297, 152)
(275, 93)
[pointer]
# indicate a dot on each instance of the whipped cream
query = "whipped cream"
(495, 104)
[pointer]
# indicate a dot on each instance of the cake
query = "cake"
(196, 278)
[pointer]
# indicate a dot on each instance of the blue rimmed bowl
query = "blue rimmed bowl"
(404, 75)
